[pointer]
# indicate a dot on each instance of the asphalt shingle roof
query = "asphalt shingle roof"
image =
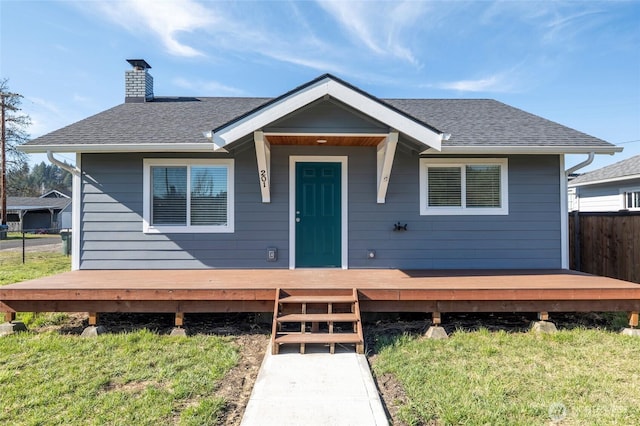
(471, 122)
(35, 203)
(629, 167)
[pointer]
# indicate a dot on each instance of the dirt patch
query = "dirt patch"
(238, 384)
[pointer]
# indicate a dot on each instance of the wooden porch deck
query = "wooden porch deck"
(387, 290)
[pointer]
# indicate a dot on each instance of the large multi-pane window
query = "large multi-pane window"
(463, 186)
(188, 195)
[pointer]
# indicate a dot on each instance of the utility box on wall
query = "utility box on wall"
(272, 254)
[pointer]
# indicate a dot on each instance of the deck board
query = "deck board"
(246, 290)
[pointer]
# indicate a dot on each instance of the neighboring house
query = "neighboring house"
(36, 214)
(325, 175)
(610, 189)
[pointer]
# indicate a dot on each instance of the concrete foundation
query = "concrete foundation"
(93, 331)
(635, 332)
(436, 332)
(544, 327)
(12, 327)
(178, 331)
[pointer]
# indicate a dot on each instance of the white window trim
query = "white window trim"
(148, 228)
(462, 211)
(624, 200)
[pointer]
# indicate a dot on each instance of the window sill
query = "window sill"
(188, 229)
(463, 212)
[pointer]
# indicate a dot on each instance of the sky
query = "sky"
(573, 62)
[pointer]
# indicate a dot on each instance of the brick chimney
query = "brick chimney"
(138, 82)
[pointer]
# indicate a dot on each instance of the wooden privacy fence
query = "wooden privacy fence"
(605, 244)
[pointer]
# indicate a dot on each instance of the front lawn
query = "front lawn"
(135, 378)
(37, 264)
(574, 377)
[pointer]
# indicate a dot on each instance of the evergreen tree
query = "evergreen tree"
(16, 125)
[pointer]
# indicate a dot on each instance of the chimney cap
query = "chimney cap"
(139, 64)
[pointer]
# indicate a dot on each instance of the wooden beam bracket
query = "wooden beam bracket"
(436, 318)
(263, 155)
(93, 318)
(385, 155)
(633, 319)
(543, 316)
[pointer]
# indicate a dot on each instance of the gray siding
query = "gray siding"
(529, 237)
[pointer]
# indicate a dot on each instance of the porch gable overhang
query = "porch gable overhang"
(327, 86)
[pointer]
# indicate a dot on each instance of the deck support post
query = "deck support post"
(93, 329)
(11, 325)
(179, 322)
(93, 318)
(543, 325)
(633, 323)
(436, 331)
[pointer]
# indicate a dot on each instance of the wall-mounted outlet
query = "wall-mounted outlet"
(272, 254)
(371, 254)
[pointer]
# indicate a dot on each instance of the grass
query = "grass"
(118, 379)
(29, 236)
(574, 377)
(38, 264)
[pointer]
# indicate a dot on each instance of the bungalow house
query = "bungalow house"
(612, 188)
(318, 177)
(325, 185)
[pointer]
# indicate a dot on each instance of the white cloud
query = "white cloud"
(166, 19)
(503, 82)
(379, 27)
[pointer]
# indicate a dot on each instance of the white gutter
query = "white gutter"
(112, 148)
(73, 170)
(522, 150)
(578, 166)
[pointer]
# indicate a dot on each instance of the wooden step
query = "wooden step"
(348, 317)
(327, 338)
(317, 299)
(303, 307)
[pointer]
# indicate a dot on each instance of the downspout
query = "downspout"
(76, 172)
(73, 170)
(578, 166)
(564, 208)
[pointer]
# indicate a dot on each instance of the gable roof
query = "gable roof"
(180, 124)
(328, 85)
(56, 193)
(622, 170)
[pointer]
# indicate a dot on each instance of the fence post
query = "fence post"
(23, 247)
(577, 250)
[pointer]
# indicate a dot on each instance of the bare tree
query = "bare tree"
(13, 133)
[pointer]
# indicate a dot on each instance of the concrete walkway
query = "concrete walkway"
(314, 389)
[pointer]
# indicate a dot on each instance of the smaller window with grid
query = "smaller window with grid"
(631, 199)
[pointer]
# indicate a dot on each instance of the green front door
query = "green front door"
(318, 215)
